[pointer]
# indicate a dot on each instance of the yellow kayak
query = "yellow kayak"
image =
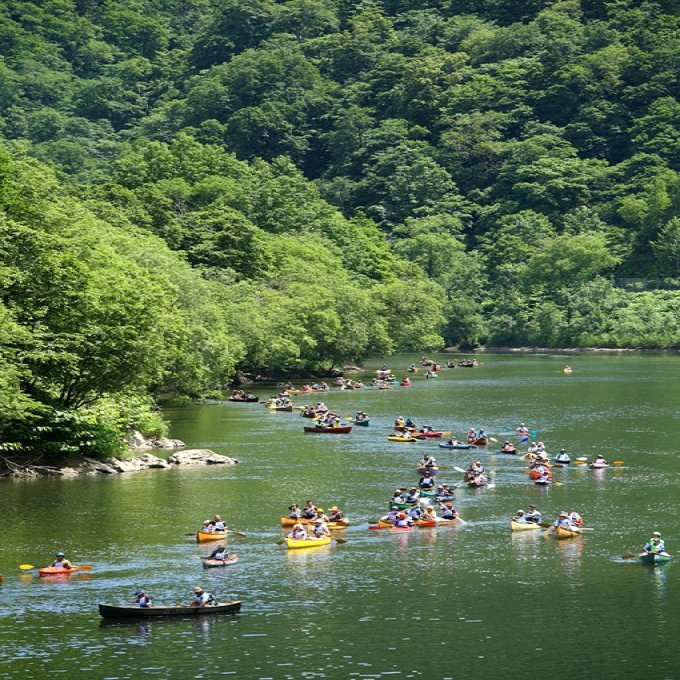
(205, 536)
(401, 439)
(523, 526)
(297, 544)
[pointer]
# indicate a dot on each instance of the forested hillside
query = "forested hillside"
(192, 188)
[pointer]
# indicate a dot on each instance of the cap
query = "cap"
(656, 533)
(532, 506)
(198, 589)
(138, 592)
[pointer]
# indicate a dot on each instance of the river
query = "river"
(468, 601)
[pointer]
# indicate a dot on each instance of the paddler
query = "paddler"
(400, 423)
(430, 515)
(335, 514)
(426, 481)
(563, 521)
(141, 599)
(403, 521)
(310, 511)
(298, 532)
(398, 496)
(392, 515)
(61, 561)
(448, 511)
(219, 523)
(220, 553)
(320, 528)
(655, 544)
(533, 515)
(294, 511)
(520, 517)
(416, 512)
(412, 496)
(575, 519)
(202, 598)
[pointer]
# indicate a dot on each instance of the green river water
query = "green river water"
(471, 601)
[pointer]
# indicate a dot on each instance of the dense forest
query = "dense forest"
(191, 189)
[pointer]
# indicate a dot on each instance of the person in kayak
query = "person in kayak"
(202, 598)
(600, 460)
(564, 521)
(336, 515)
(61, 561)
(426, 482)
(575, 519)
(392, 515)
(520, 517)
(310, 511)
(412, 496)
(320, 528)
(430, 515)
(410, 423)
(398, 497)
(655, 544)
(403, 521)
(448, 511)
(294, 511)
(220, 553)
(416, 512)
(219, 523)
(141, 599)
(298, 532)
(533, 515)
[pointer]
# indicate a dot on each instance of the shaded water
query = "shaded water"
(470, 601)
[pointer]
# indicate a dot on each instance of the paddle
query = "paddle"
(229, 531)
(630, 556)
(617, 462)
(493, 439)
(338, 540)
(81, 567)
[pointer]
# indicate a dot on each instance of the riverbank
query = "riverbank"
(69, 468)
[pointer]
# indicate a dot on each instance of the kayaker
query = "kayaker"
(416, 512)
(141, 598)
(335, 514)
(520, 517)
(208, 527)
(360, 417)
(426, 481)
(298, 532)
(294, 511)
(220, 553)
(202, 598)
(563, 521)
(219, 523)
(403, 520)
(392, 515)
(600, 460)
(61, 561)
(412, 495)
(562, 457)
(575, 519)
(522, 430)
(448, 511)
(400, 423)
(430, 515)
(410, 424)
(533, 515)
(398, 496)
(472, 434)
(320, 528)
(655, 544)
(310, 511)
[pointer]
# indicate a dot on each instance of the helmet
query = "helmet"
(61, 554)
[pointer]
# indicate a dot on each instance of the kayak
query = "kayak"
(542, 482)
(111, 611)
(401, 530)
(654, 558)
(509, 452)
(405, 383)
(208, 563)
(436, 435)
(309, 391)
(523, 526)
(271, 407)
(401, 439)
(297, 544)
(402, 506)
(563, 461)
(446, 445)
(329, 430)
(288, 522)
(483, 441)
(362, 423)
(562, 533)
(404, 428)
(249, 400)
(426, 523)
(427, 493)
(598, 466)
(447, 522)
(58, 571)
(337, 526)
(205, 536)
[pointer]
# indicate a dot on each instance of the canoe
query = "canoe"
(298, 544)
(329, 430)
(478, 442)
(562, 533)
(654, 558)
(362, 423)
(111, 611)
(58, 571)
(305, 391)
(209, 564)
(251, 400)
(446, 445)
(523, 526)
(288, 522)
(205, 536)
(402, 439)
(271, 407)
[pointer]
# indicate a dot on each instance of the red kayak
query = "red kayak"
(57, 571)
(428, 434)
(329, 430)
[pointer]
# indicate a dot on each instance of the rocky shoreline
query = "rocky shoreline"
(70, 468)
